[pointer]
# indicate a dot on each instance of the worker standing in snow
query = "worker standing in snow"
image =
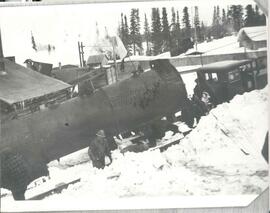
(199, 108)
(99, 149)
(198, 91)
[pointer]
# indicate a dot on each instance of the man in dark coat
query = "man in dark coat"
(198, 91)
(99, 149)
(198, 107)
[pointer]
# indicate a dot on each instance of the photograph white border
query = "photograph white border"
(216, 203)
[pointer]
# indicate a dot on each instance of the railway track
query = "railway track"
(54, 190)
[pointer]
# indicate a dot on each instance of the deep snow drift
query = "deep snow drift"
(221, 156)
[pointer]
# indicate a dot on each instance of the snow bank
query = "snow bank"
(228, 44)
(221, 156)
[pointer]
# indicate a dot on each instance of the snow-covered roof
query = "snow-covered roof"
(21, 83)
(97, 59)
(226, 45)
(223, 65)
(254, 33)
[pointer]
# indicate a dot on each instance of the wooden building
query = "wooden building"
(253, 37)
(97, 61)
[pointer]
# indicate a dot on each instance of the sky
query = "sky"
(61, 25)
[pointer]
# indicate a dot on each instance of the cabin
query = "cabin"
(97, 61)
(253, 37)
(24, 91)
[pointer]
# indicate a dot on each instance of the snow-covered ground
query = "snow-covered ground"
(209, 161)
(224, 45)
(221, 156)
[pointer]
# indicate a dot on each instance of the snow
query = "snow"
(188, 78)
(211, 160)
(258, 33)
(224, 45)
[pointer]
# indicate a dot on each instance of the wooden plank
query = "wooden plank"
(56, 189)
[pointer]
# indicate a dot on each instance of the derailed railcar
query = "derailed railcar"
(55, 129)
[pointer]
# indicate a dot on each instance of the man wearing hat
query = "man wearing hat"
(99, 149)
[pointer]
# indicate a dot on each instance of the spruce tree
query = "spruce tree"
(214, 23)
(257, 15)
(178, 30)
(126, 40)
(237, 16)
(139, 37)
(203, 31)
(250, 19)
(186, 42)
(260, 19)
(216, 28)
(156, 31)
(173, 22)
(229, 21)
(49, 48)
(197, 27)
(224, 18)
(224, 22)
(218, 24)
(214, 16)
(34, 46)
(175, 34)
(165, 31)
(185, 20)
(135, 37)
(147, 35)
(173, 31)
(121, 29)
(218, 19)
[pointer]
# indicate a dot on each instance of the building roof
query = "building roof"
(21, 83)
(254, 33)
(223, 65)
(70, 75)
(97, 59)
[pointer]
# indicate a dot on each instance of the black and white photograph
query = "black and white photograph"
(119, 101)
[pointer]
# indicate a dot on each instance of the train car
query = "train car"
(53, 128)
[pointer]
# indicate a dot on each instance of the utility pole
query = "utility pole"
(1, 47)
(2, 64)
(79, 48)
(115, 64)
(82, 53)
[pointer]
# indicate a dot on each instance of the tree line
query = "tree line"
(234, 19)
(181, 33)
